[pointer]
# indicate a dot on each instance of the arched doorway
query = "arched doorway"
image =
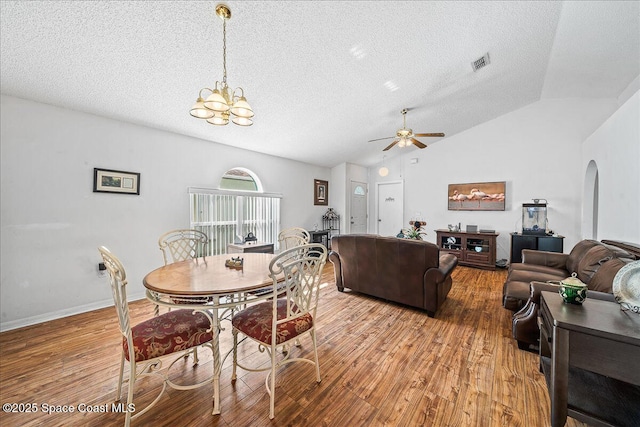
(590, 204)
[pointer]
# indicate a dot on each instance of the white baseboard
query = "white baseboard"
(59, 314)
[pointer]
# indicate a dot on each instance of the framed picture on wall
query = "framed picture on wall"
(113, 181)
(478, 196)
(320, 192)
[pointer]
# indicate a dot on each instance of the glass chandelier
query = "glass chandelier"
(222, 101)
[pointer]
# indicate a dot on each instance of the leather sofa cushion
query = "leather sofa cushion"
(578, 252)
(596, 257)
(531, 275)
(539, 269)
(602, 280)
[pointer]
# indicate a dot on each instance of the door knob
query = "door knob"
(379, 220)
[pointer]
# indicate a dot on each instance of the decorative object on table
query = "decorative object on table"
(414, 232)
(113, 181)
(534, 218)
(320, 192)
(626, 287)
(250, 238)
(235, 263)
(223, 102)
(454, 228)
(472, 228)
(482, 196)
(573, 290)
(405, 137)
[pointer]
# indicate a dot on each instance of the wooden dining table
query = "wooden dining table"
(207, 285)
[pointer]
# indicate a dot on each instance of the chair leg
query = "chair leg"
(120, 377)
(195, 356)
(234, 332)
(315, 353)
(132, 380)
(272, 387)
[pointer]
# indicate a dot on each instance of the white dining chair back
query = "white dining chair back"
(183, 244)
(292, 237)
(290, 313)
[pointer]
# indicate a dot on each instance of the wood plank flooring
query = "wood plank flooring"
(382, 364)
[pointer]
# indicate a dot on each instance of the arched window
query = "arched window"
(240, 179)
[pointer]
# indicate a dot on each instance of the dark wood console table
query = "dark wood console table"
(471, 249)
(590, 355)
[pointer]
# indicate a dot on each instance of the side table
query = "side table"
(590, 355)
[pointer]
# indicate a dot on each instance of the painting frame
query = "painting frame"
(320, 192)
(116, 181)
(477, 196)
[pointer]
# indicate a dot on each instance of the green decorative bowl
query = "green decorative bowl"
(573, 290)
(572, 294)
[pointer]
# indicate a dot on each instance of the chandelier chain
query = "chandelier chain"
(224, 52)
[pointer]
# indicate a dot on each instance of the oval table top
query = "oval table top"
(210, 276)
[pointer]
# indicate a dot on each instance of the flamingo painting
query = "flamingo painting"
(487, 196)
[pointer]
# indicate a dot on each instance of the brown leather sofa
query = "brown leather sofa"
(595, 263)
(411, 272)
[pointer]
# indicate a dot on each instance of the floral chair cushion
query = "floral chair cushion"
(255, 322)
(168, 333)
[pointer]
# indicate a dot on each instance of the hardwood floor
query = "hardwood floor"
(382, 364)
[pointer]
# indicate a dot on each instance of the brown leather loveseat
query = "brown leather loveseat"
(595, 263)
(411, 272)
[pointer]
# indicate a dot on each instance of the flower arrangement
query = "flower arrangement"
(414, 232)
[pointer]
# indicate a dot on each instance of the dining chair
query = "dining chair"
(295, 275)
(145, 344)
(183, 244)
(292, 237)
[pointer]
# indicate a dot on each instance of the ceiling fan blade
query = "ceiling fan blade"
(418, 143)
(380, 139)
(391, 145)
(439, 134)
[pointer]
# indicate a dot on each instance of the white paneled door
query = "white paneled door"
(390, 203)
(358, 207)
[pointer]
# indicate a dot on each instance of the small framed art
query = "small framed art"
(320, 192)
(113, 181)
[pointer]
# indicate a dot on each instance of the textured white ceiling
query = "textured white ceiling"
(317, 73)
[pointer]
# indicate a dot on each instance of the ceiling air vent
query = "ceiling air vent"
(481, 62)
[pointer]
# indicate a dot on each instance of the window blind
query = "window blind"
(223, 215)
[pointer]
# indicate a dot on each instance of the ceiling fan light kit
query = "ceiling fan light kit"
(222, 102)
(405, 136)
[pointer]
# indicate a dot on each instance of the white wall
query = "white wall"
(615, 148)
(52, 222)
(536, 150)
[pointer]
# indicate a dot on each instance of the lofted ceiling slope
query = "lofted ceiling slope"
(323, 77)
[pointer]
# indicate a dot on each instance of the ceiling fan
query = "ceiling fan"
(405, 137)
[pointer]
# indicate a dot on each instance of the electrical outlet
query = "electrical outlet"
(102, 270)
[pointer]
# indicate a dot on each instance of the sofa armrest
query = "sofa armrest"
(334, 257)
(545, 258)
(603, 296)
(525, 321)
(536, 289)
(446, 263)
